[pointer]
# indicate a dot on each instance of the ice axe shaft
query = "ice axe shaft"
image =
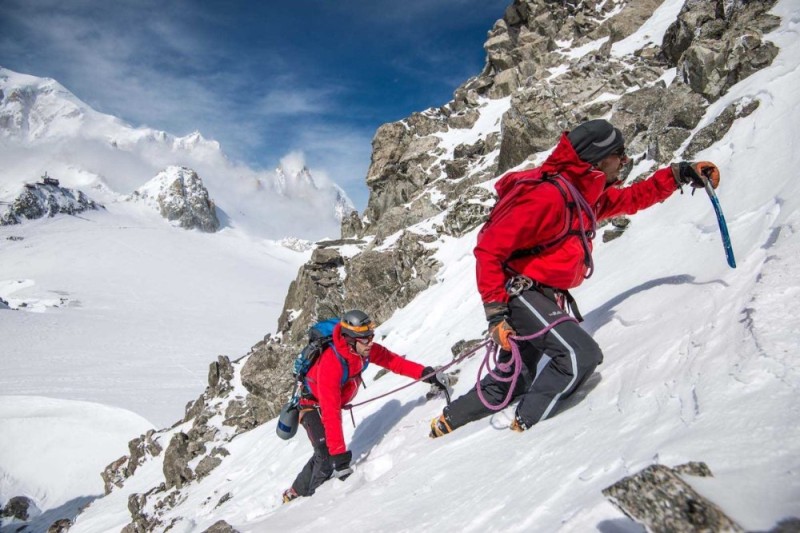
(723, 227)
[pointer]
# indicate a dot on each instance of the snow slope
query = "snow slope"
(43, 445)
(132, 309)
(700, 365)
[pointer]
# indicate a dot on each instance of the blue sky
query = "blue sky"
(262, 78)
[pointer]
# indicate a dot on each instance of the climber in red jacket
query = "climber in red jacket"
(331, 383)
(535, 246)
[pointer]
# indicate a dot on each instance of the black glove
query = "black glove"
(433, 378)
(496, 312)
(499, 327)
(341, 465)
(688, 173)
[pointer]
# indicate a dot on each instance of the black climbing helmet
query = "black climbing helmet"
(357, 325)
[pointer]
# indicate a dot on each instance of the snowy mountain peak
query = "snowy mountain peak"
(293, 178)
(288, 180)
(179, 195)
(34, 108)
(195, 140)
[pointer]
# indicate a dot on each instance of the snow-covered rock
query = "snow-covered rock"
(20, 508)
(179, 195)
(46, 198)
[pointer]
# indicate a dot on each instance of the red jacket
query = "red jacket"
(540, 214)
(332, 389)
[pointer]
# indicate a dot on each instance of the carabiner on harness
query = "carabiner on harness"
(518, 284)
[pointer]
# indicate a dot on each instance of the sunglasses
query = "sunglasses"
(620, 152)
(365, 340)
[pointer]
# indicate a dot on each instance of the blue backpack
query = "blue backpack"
(320, 336)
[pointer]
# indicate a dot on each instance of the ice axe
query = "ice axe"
(723, 227)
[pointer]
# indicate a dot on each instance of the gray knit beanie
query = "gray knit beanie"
(595, 139)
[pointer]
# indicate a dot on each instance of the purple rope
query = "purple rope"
(491, 353)
(487, 343)
(583, 207)
(514, 365)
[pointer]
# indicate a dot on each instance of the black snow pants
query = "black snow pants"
(555, 365)
(319, 468)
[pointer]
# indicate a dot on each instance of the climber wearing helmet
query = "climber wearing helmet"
(332, 383)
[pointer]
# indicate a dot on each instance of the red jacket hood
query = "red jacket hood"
(564, 161)
(340, 342)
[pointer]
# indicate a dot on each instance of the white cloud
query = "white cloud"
(293, 162)
(295, 101)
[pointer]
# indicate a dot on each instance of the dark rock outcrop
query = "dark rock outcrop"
(220, 526)
(38, 200)
(60, 526)
(717, 44)
(140, 449)
(330, 284)
(20, 508)
(657, 119)
(660, 500)
(176, 461)
(267, 378)
(720, 126)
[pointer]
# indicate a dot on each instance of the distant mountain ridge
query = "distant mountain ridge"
(46, 128)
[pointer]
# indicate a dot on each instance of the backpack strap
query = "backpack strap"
(565, 231)
(306, 390)
(345, 371)
(575, 207)
(345, 365)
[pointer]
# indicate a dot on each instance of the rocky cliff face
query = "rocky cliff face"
(192, 448)
(549, 66)
(179, 195)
